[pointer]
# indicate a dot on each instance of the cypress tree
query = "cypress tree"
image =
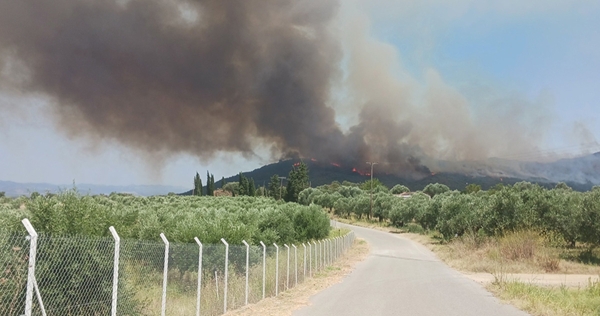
(197, 183)
(200, 193)
(208, 184)
(251, 188)
(212, 184)
(274, 189)
(297, 181)
(243, 184)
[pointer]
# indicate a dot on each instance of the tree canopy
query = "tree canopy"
(297, 181)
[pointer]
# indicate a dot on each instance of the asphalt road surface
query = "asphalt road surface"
(402, 277)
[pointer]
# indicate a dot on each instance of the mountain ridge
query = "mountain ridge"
(11, 188)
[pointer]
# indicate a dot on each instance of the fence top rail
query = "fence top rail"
(29, 228)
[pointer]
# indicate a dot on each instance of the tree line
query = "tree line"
(296, 181)
(571, 216)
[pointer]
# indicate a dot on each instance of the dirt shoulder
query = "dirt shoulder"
(299, 296)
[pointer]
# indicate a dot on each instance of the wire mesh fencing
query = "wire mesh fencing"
(74, 275)
(14, 252)
(50, 275)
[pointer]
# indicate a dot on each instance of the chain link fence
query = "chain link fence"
(49, 275)
(14, 252)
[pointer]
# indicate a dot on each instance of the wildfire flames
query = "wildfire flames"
(362, 173)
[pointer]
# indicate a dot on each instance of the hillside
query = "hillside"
(585, 169)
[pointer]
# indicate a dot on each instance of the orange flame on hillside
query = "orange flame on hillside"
(360, 172)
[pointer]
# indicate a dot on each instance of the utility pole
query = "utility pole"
(371, 209)
(281, 186)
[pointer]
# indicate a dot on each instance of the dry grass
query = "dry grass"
(555, 301)
(521, 252)
(297, 297)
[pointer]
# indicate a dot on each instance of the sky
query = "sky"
(544, 54)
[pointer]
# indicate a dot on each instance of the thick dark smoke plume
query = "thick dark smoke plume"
(198, 77)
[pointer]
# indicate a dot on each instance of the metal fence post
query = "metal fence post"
(226, 273)
(326, 251)
(346, 242)
(320, 254)
(276, 269)
(330, 251)
(113, 309)
(349, 241)
(247, 267)
(329, 248)
(217, 282)
(326, 241)
(335, 248)
(264, 267)
(295, 264)
(163, 310)
(316, 257)
(287, 279)
(310, 259)
(304, 265)
(33, 236)
(199, 291)
(325, 256)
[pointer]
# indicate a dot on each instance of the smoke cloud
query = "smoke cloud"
(179, 76)
(207, 76)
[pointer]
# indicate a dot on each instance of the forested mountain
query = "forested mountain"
(579, 173)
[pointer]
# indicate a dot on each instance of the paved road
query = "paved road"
(402, 277)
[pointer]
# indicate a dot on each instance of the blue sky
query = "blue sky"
(542, 52)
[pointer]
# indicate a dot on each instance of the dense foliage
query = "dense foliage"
(181, 218)
(573, 216)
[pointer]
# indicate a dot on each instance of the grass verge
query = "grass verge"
(555, 301)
